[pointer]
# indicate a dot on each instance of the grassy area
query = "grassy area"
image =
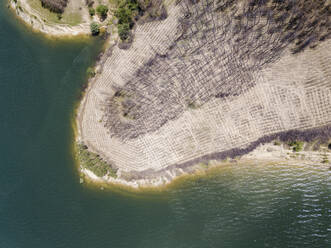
(94, 162)
(70, 16)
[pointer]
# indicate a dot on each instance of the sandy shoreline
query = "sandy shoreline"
(267, 154)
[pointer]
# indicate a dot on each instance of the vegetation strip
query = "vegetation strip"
(93, 162)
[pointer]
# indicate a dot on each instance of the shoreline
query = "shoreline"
(33, 20)
(264, 155)
(263, 151)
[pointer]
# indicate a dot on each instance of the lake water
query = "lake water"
(42, 203)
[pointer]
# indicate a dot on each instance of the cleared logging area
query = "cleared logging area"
(241, 36)
(214, 76)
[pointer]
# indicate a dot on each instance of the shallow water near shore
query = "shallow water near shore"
(42, 203)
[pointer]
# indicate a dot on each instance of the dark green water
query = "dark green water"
(43, 205)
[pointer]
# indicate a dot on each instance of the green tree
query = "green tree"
(95, 28)
(125, 13)
(102, 10)
(123, 30)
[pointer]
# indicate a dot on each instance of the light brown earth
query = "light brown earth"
(201, 85)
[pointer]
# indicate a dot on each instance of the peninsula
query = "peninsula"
(187, 84)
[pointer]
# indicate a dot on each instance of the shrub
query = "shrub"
(192, 105)
(123, 30)
(296, 145)
(325, 160)
(124, 15)
(90, 72)
(20, 8)
(103, 30)
(91, 11)
(95, 28)
(102, 10)
(94, 162)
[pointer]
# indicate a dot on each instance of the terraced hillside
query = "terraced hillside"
(213, 77)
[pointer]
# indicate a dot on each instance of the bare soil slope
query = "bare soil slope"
(214, 76)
